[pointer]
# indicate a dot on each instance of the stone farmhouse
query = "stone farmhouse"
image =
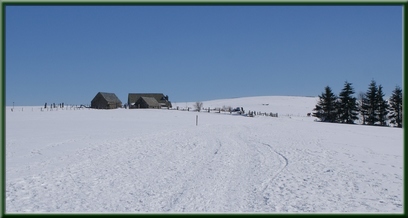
(148, 100)
(104, 100)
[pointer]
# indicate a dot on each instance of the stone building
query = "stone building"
(104, 100)
(148, 100)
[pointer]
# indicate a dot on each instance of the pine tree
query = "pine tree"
(347, 107)
(370, 103)
(361, 100)
(382, 107)
(337, 106)
(326, 107)
(396, 107)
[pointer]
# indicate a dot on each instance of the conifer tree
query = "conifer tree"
(326, 107)
(396, 107)
(347, 106)
(370, 103)
(361, 100)
(382, 107)
(337, 106)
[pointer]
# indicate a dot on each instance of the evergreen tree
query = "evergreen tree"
(319, 110)
(361, 100)
(382, 107)
(337, 106)
(370, 103)
(326, 107)
(347, 106)
(396, 107)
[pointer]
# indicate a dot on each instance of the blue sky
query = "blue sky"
(68, 54)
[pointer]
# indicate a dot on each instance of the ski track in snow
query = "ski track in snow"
(209, 175)
(248, 166)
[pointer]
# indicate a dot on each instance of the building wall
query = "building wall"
(113, 105)
(142, 104)
(158, 96)
(99, 102)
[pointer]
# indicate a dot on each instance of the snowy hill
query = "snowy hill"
(283, 105)
(143, 160)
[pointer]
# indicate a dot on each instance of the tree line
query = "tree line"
(371, 106)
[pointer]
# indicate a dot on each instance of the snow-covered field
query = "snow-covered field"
(159, 161)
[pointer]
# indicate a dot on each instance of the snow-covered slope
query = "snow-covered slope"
(159, 161)
(283, 105)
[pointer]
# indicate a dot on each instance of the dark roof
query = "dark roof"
(151, 101)
(133, 97)
(110, 97)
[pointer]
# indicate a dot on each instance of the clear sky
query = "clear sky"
(68, 54)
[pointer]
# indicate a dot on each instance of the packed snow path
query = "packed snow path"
(159, 161)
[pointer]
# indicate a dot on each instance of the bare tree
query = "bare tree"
(226, 108)
(198, 105)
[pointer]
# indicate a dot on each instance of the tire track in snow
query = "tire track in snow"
(282, 156)
(224, 176)
(283, 163)
(266, 196)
